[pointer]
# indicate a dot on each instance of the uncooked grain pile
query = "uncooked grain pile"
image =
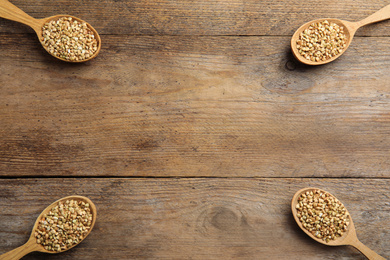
(69, 39)
(64, 226)
(322, 215)
(322, 41)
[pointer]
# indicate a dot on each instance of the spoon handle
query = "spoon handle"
(21, 251)
(371, 255)
(382, 14)
(11, 12)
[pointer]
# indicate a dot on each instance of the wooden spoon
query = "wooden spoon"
(11, 12)
(31, 245)
(350, 29)
(348, 238)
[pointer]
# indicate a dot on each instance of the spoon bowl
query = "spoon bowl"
(31, 245)
(11, 12)
(350, 29)
(349, 237)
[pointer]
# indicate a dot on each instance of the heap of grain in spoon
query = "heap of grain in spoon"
(69, 39)
(321, 41)
(322, 215)
(64, 226)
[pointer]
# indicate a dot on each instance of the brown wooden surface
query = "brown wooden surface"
(202, 218)
(194, 127)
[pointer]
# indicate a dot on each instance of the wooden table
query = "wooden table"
(194, 127)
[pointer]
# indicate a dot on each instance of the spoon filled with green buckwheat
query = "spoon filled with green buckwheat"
(326, 220)
(60, 227)
(65, 37)
(323, 40)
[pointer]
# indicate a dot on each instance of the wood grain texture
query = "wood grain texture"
(195, 218)
(206, 17)
(195, 106)
(205, 100)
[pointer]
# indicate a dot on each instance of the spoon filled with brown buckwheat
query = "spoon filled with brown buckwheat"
(65, 37)
(60, 227)
(323, 40)
(326, 220)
